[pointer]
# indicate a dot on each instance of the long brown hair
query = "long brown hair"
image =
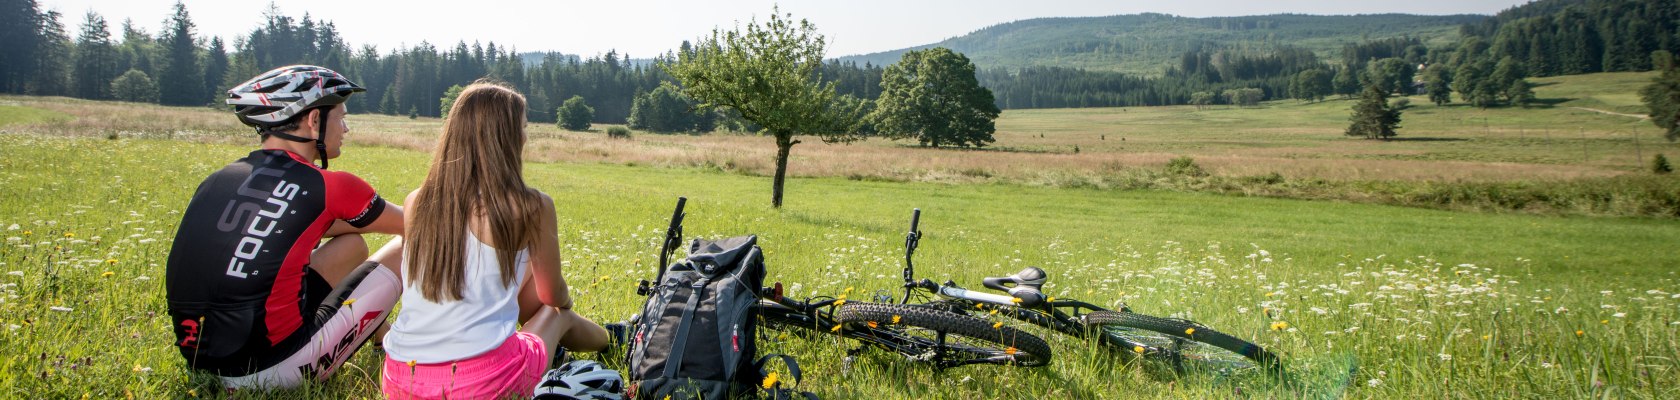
(475, 173)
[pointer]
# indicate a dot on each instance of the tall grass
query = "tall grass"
(1361, 301)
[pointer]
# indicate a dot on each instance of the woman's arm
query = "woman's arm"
(545, 259)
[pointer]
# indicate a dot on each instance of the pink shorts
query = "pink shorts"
(510, 370)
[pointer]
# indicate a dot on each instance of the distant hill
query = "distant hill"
(1147, 43)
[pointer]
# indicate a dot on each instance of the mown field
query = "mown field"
(1361, 300)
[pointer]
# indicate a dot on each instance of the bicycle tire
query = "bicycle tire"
(972, 336)
(1185, 341)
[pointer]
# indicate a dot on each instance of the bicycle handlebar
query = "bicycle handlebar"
(910, 241)
(673, 238)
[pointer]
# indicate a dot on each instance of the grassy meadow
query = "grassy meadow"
(1361, 300)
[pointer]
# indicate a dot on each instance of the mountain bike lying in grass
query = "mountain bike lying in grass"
(1184, 344)
(940, 337)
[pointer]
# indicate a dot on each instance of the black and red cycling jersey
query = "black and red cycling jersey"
(239, 287)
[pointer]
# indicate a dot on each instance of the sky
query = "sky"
(643, 29)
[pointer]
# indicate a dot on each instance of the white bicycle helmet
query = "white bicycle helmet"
(581, 379)
(276, 96)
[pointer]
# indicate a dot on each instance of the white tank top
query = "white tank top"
(486, 315)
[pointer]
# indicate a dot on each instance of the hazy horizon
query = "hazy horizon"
(643, 29)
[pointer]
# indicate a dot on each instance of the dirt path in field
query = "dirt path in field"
(1613, 113)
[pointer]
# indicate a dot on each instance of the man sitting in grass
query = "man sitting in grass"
(251, 285)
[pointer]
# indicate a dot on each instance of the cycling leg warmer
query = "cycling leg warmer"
(349, 315)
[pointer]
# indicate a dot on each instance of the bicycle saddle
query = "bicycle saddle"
(1023, 285)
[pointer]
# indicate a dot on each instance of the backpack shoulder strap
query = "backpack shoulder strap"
(680, 341)
(792, 365)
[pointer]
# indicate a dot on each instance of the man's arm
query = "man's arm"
(389, 222)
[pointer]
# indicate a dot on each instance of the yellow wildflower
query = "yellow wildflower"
(1280, 325)
(1011, 351)
(873, 325)
(107, 274)
(1138, 349)
(111, 261)
(836, 328)
(1016, 300)
(770, 380)
(1190, 331)
(350, 301)
(896, 318)
(69, 235)
(997, 325)
(1578, 333)
(840, 302)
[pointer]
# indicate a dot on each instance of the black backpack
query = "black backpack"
(696, 337)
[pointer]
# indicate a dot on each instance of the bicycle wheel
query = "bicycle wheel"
(1186, 344)
(967, 340)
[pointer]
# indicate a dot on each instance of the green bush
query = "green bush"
(1267, 179)
(1184, 165)
(618, 132)
(1659, 165)
(135, 86)
(575, 114)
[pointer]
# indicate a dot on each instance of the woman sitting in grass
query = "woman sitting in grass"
(482, 257)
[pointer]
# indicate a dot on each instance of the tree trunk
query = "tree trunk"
(784, 143)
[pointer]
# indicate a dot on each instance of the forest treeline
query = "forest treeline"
(41, 54)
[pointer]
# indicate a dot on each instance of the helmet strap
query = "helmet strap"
(321, 136)
(286, 136)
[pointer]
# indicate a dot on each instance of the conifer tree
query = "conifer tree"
(1372, 118)
(95, 58)
(1662, 97)
(181, 81)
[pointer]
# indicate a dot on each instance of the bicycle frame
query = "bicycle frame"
(1048, 314)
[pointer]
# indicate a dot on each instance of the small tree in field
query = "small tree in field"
(575, 115)
(1372, 118)
(1201, 99)
(768, 74)
(1437, 81)
(135, 86)
(1660, 165)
